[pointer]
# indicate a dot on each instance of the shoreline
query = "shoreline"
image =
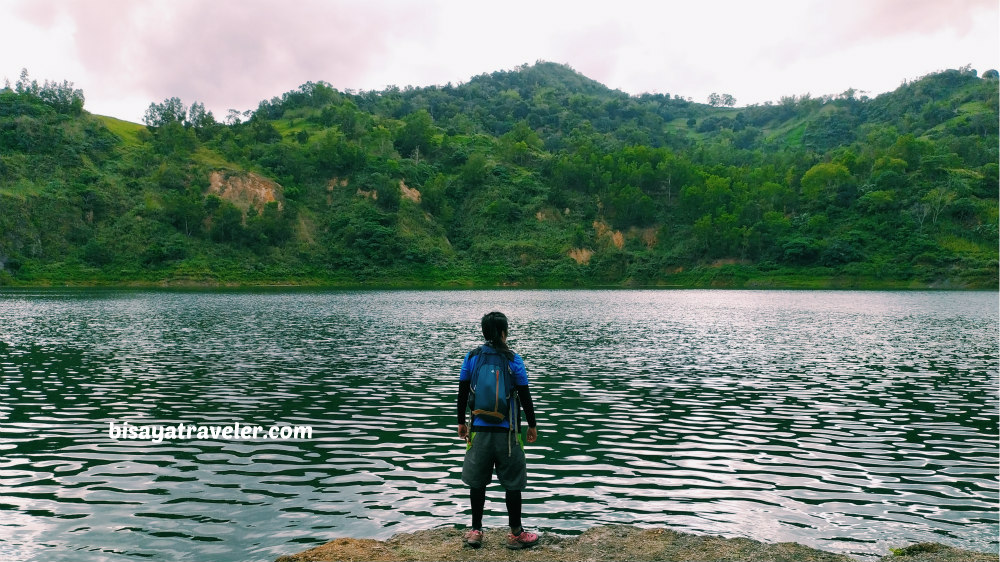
(478, 286)
(697, 277)
(604, 543)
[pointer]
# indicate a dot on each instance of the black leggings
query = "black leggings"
(513, 498)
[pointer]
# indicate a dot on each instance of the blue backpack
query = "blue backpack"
(491, 388)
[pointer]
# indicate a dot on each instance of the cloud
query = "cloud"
(235, 53)
(848, 24)
(595, 49)
(887, 18)
(225, 53)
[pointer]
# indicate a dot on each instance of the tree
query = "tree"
(25, 85)
(877, 201)
(388, 194)
(268, 227)
(63, 97)
(703, 232)
(379, 141)
(910, 149)
(631, 206)
(170, 111)
(227, 222)
(822, 182)
(724, 100)
(417, 134)
(475, 170)
(185, 211)
(937, 200)
(198, 117)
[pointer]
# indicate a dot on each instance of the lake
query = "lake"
(847, 421)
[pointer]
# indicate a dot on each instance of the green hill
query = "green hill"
(536, 176)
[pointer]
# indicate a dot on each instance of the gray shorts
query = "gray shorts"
(500, 450)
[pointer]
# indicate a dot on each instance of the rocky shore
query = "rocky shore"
(613, 542)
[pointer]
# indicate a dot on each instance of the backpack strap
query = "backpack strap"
(474, 368)
(513, 405)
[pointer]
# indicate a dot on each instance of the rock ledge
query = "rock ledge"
(612, 542)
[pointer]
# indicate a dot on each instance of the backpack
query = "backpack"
(491, 389)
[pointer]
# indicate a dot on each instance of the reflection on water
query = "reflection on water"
(847, 421)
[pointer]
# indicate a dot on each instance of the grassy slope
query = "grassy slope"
(125, 130)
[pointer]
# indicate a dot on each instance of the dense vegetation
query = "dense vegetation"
(533, 177)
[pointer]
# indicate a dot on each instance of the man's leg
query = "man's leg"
(477, 471)
(512, 471)
(477, 497)
(514, 510)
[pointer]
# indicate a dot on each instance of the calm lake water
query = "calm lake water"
(847, 421)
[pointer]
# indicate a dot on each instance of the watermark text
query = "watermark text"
(234, 432)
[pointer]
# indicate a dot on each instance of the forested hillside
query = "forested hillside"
(533, 177)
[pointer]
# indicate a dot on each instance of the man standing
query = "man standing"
(495, 439)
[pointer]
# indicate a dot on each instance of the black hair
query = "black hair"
(494, 328)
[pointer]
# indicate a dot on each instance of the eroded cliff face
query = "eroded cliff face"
(245, 190)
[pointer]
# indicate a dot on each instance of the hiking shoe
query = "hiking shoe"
(524, 540)
(473, 538)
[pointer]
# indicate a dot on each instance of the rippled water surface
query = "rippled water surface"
(848, 421)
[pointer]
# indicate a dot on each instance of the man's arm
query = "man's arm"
(524, 396)
(464, 384)
(463, 400)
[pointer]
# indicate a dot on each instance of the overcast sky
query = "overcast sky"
(125, 54)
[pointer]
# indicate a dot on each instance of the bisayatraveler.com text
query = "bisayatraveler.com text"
(182, 431)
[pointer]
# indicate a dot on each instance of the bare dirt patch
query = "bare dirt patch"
(581, 255)
(245, 190)
(648, 236)
(333, 184)
(408, 192)
(602, 229)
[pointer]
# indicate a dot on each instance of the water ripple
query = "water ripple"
(846, 421)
